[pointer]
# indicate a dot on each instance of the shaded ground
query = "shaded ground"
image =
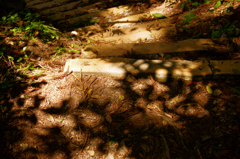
(52, 114)
(80, 117)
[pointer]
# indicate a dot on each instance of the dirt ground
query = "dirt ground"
(67, 115)
(85, 116)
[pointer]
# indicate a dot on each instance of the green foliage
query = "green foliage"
(59, 50)
(207, 1)
(2, 51)
(30, 25)
(217, 4)
(183, 4)
(228, 28)
(195, 4)
(159, 16)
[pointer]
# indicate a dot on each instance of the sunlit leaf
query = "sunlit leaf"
(36, 33)
(90, 91)
(207, 1)
(149, 106)
(164, 122)
(217, 4)
(159, 15)
(209, 89)
(50, 117)
(20, 59)
(121, 97)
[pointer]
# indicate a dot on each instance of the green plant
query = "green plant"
(30, 66)
(2, 51)
(189, 17)
(30, 24)
(228, 28)
(59, 50)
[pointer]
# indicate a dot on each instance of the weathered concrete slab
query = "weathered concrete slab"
(147, 48)
(225, 67)
(48, 4)
(138, 35)
(120, 67)
(34, 2)
(78, 11)
(150, 26)
(145, 31)
(103, 13)
(61, 8)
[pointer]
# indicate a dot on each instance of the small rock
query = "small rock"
(217, 92)
(74, 33)
(91, 152)
(110, 156)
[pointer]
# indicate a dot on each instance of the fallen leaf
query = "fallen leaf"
(91, 152)
(209, 89)
(159, 15)
(89, 91)
(109, 118)
(36, 33)
(24, 146)
(50, 117)
(121, 97)
(95, 96)
(164, 122)
(217, 92)
(149, 106)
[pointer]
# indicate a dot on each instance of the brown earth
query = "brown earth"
(67, 115)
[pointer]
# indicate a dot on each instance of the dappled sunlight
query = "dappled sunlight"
(122, 93)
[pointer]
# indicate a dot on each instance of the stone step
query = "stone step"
(162, 69)
(78, 11)
(96, 51)
(48, 4)
(56, 9)
(34, 2)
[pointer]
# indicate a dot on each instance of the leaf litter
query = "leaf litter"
(73, 116)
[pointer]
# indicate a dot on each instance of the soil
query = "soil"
(68, 115)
